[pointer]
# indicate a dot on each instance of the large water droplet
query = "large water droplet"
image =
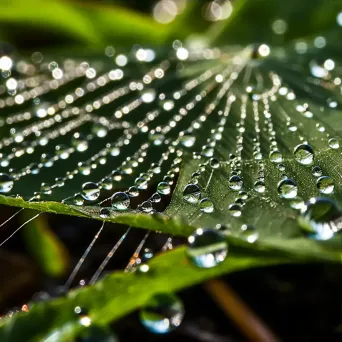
(207, 248)
(104, 212)
(148, 95)
(120, 201)
(6, 183)
(249, 233)
(287, 188)
(90, 191)
(325, 185)
(304, 154)
(214, 163)
(235, 183)
(191, 193)
(133, 191)
(163, 188)
(320, 218)
(146, 206)
(187, 139)
(162, 313)
(206, 205)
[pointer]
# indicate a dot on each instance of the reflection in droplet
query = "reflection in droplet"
(325, 185)
(163, 188)
(187, 139)
(235, 183)
(207, 248)
(235, 209)
(206, 205)
(162, 313)
(333, 143)
(6, 183)
(90, 191)
(317, 171)
(191, 193)
(120, 201)
(304, 154)
(320, 218)
(249, 233)
(287, 188)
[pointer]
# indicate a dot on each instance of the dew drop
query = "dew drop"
(120, 201)
(90, 191)
(235, 209)
(79, 142)
(206, 205)
(191, 193)
(141, 183)
(133, 191)
(46, 160)
(148, 95)
(107, 184)
(259, 186)
(207, 151)
(214, 163)
(104, 212)
(320, 218)
(78, 199)
(99, 130)
(155, 198)
(287, 188)
(117, 175)
(316, 171)
(207, 248)
(163, 188)
(332, 103)
(187, 139)
(303, 154)
(333, 143)
(325, 185)
(156, 138)
(276, 157)
(297, 203)
(243, 195)
(6, 183)
(281, 167)
(62, 151)
(146, 206)
(235, 183)
(249, 233)
(162, 313)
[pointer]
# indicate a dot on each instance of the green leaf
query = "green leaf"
(45, 246)
(120, 293)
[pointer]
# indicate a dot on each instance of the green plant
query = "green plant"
(237, 133)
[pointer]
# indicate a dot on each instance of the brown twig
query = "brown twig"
(249, 323)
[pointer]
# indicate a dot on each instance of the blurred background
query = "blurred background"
(298, 303)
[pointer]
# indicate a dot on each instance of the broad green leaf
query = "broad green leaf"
(120, 293)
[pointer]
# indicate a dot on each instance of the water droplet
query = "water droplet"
(187, 139)
(259, 186)
(104, 212)
(332, 103)
(334, 144)
(120, 201)
(79, 142)
(162, 313)
(146, 206)
(99, 130)
(156, 138)
(214, 163)
(148, 95)
(117, 175)
(207, 248)
(287, 188)
(235, 209)
(78, 199)
(191, 193)
(84, 168)
(320, 218)
(207, 151)
(62, 151)
(45, 189)
(276, 157)
(206, 205)
(155, 198)
(243, 195)
(304, 155)
(163, 188)
(317, 171)
(296, 203)
(249, 233)
(141, 183)
(90, 191)
(325, 185)
(6, 183)
(84, 319)
(106, 184)
(133, 191)
(46, 160)
(235, 183)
